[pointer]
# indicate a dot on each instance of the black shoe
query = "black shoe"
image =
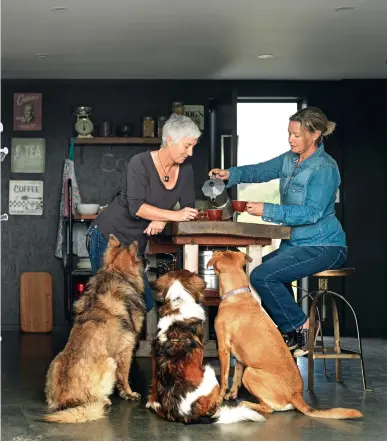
(290, 339)
(302, 336)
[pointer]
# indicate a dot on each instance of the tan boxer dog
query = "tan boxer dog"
(265, 364)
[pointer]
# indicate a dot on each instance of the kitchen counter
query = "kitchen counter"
(192, 234)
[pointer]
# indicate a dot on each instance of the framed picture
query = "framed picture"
(27, 111)
(28, 155)
(196, 113)
(25, 197)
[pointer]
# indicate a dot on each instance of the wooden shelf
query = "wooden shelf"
(81, 272)
(78, 217)
(116, 140)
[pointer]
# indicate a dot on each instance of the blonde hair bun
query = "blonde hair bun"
(331, 126)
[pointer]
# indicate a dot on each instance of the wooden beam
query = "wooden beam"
(207, 240)
(255, 253)
(191, 257)
(155, 246)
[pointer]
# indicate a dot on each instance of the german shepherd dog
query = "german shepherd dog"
(98, 354)
(183, 389)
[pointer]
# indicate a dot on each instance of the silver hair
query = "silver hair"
(178, 127)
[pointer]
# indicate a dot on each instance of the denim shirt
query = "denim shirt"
(308, 194)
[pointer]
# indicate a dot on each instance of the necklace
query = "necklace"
(166, 176)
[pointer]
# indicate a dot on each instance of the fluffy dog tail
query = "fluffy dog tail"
(82, 413)
(230, 415)
(331, 413)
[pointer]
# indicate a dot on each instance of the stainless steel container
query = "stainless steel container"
(208, 275)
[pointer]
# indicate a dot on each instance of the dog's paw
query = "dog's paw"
(130, 395)
(153, 405)
(219, 402)
(107, 402)
(231, 395)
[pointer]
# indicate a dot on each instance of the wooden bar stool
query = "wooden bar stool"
(336, 352)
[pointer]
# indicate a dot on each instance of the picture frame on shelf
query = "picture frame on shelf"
(196, 113)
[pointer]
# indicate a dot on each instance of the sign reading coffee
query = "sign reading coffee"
(25, 197)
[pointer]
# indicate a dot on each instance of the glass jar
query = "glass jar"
(148, 127)
(160, 124)
(178, 107)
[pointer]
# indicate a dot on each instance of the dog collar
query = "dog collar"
(235, 292)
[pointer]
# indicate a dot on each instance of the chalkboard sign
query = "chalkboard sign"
(28, 155)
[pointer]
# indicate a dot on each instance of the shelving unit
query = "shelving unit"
(68, 259)
(92, 141)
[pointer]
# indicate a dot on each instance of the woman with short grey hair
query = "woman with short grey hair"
(155, 182)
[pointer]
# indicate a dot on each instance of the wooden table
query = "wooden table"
(192, 234)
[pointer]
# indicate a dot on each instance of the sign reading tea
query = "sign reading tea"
(28, 155)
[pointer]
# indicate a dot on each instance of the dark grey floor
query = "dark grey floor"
(25, 358)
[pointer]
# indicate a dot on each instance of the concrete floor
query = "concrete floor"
(25, 358)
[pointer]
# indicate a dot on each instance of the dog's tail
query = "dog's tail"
(230, 415)
(331, 413)
(82, 413)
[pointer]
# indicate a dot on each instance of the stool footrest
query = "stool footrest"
(344, 354)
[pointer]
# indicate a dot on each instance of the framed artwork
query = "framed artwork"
(28, 155)
(25, 197)
(27, 111)
(196, 113)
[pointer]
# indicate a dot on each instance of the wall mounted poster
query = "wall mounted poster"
(196, 113)
(28, 155)
(25, 197)
(27, 111)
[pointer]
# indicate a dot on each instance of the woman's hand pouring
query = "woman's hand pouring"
(221, 174)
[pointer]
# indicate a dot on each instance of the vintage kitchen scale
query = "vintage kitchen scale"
(84, 126)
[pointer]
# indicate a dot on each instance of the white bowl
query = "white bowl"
(87, 209)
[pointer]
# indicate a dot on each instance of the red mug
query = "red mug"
(214, 214)
(239, 206)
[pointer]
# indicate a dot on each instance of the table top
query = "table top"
(224, 228)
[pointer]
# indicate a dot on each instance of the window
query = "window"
(262, 134)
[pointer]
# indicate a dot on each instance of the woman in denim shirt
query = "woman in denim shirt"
(309, 180)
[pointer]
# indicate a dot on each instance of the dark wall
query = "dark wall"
(359, 146)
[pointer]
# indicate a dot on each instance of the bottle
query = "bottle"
(160, 124)
(178, 107)
(148, 127)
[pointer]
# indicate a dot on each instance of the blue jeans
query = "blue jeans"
(271, 279)
(96, 246)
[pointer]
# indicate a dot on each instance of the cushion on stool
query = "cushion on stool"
(347, 271)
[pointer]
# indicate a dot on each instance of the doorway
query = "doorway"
(262, 135)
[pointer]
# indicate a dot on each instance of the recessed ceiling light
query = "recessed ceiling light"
(59, 9)
(345, 9)
(266, 56)
(41, 55)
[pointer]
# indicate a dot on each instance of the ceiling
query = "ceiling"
(194, 39)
